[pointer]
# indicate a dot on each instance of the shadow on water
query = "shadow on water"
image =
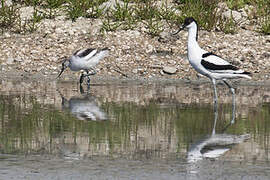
(138, 122)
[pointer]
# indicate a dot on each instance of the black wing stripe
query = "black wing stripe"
(209, 54)
(246, 72)
(211, 66)
(104, 49)
(85, 52)
(75, 53)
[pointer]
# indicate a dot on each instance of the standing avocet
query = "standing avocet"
(84, 59)
(208, 63)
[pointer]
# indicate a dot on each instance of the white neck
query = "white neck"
(192, 31)
(192, 36)
(193, 46)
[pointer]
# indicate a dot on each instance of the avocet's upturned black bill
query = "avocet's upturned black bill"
(84, 59)
(209, 64)
(64, 66)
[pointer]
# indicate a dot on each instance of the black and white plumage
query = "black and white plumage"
(84, 59)
(208, 63)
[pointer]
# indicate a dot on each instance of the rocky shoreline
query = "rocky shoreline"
(134, 54)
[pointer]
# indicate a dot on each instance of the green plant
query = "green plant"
(32, 24)
(150, 15)
(265, 26)
(147, 10)
(8, 16)
(51, 7)
(227, 25)
(155, 27)
(84, 8)
(95, 11)
(236, 4)
(167, 13)
(108, 25)
(77, 8)
(263, 12)
(33, 3)
(204, 11)
(121, 12)
(121, 16)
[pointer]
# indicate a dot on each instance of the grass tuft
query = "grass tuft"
(8, 16)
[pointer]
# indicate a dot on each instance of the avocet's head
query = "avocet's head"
(65, 64)
(188, 23)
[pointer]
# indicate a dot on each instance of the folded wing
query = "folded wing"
(214, 63)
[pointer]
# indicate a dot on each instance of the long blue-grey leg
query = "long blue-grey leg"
(88, 78)
(93, 72)
(233, 99)
(215, 105)
(215, 123)
(215, 95)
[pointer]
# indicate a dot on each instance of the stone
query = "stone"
(237, 16)
(169, 69)
(135, 71)
(10, 60)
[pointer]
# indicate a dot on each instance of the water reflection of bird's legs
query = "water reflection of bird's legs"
(233, 99)
(81, 89)
(215, 106)
(216, 117)
(233, 105)
(215, 95)
(215, 122)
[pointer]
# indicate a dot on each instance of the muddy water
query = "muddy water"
(127, 131)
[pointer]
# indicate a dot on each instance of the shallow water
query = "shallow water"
(127, 131)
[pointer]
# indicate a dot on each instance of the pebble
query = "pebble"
(135, 71)
(10, 60)
(237, 16)
(169, 69)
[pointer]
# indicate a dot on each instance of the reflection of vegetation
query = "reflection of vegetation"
(30, 127)
(258, 123)
(194, 122)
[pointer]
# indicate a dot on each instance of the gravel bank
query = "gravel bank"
(134, 53)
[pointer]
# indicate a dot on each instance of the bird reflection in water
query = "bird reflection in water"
(215, 145)
(84, 107)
